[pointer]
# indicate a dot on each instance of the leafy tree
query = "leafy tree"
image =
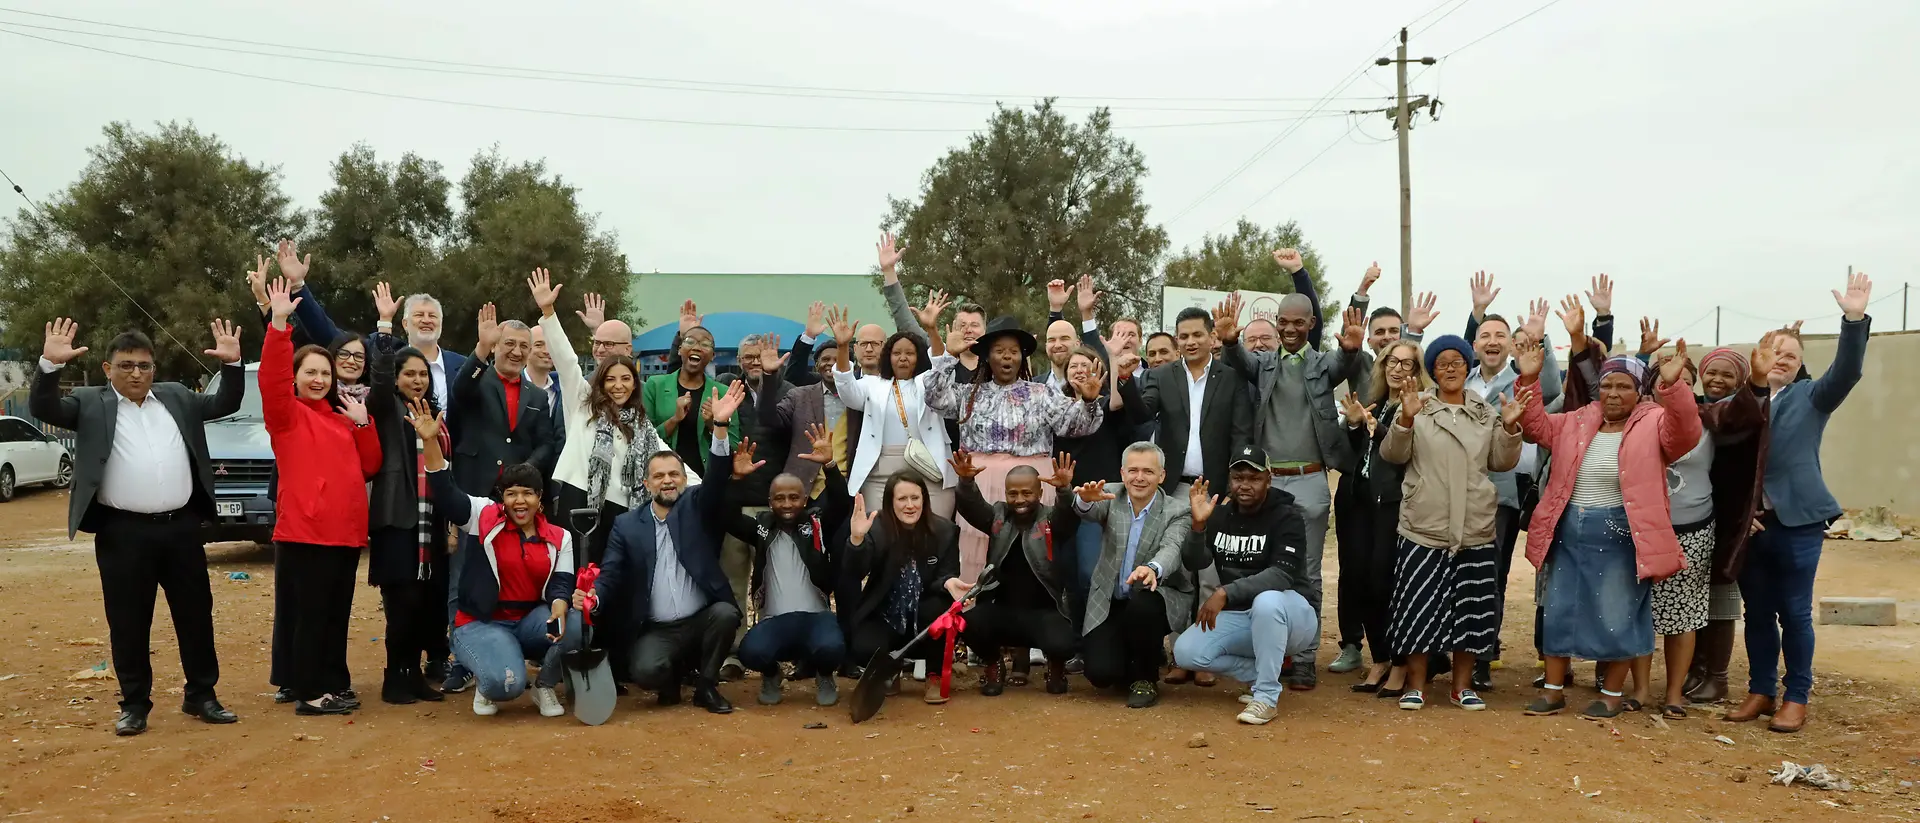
(173, 217)
(379, 222)
(1033, 198)
(1244, 260)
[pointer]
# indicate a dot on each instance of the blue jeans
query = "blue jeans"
(796, 637)
(1314, 499)
(454, 563)
(497, 651)
(1777, 585)
(1251, 646)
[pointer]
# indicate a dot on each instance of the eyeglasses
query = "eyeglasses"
(134, 367)
(354, 356)
(1450, 365)
(868, 343)
(1396, 363)
(610, 344)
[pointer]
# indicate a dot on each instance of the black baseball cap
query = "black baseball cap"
(1251, 455)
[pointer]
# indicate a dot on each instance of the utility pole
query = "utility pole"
(1716, 325)
(1904, 287)
(1402, 125)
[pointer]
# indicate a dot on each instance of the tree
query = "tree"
(1033, 198)
(174, 218)
(379, 222)
(1244, 261)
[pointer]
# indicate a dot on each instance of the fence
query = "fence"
(14, 404)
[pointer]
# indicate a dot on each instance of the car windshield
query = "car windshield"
(249, 404)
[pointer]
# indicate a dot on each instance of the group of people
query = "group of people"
(1100, 503)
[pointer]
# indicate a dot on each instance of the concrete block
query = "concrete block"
(1858, 611)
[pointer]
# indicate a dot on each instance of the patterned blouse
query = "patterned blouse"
(1021, 419)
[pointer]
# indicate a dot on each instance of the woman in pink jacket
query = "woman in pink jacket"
(1602, 533)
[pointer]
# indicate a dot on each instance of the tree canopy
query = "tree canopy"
(1244, 260)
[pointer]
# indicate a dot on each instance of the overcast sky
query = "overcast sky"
(1732, 152)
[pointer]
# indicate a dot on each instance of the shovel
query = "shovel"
(589, 677)
(885, 665)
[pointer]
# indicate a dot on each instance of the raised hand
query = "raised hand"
(743, 462)
(1530, 356)
(841, 324)
(725, 405)
(355, 410)
(1650, 339)
(1760, 364)
(1601, 295)
(1367, 280)
(226, 342)
(956, 342)
(257, 279)
(689, 316)
(383, 303)
(1422, 314)
(929, 314)
(292, 266)
(1087, 296)
(58, 348)
(1511, 410)
(706, 407)
(1125, 364)
(1411, 401)
(1289, 260)
(595, 312)
(821, 439)
(1483, 292)
(816, 319)
(1088, 387)
(1353, 328)
(890, 251)
(1062, 477)
(489, 331)
(1355, 411)
(1672, 368)
(1056, 295)
(861, 522)
(1574, 317)
(1536, 325)
(1859, 291)
(280, 301)
(1226, 319)
(1093, 491)
(425, 422)
(545, 294)
(1201, 503)
(963, 467)
(680, 407)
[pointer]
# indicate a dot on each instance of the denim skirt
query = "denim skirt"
(1596, 606)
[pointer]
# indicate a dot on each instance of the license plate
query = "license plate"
(227, 508)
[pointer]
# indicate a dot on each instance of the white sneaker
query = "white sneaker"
(1246, 699)
(482, 706)
(1258, 713)
(548, 701)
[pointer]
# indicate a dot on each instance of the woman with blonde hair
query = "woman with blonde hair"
(1376, 512)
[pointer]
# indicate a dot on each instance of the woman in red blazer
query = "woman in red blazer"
(320, 524)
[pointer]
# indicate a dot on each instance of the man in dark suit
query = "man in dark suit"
(502, 421)
(1197, 441)
(143, 485)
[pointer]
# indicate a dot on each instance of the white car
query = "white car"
(29, 456)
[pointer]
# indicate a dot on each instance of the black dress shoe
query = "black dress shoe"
(423, 688)
(209, 712)
(348, 697)
(708, 696)
(284, 695)
(669, 696)
(331, 705)
(131, 722)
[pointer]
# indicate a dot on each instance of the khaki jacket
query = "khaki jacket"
(1447, 500)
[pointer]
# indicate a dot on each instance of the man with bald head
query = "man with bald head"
(1061, 337)
(1294, 390)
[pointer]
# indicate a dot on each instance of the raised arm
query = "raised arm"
(277, 403)
(233, 374)
(1850, 352)
(45, 401)
(308, 312)
(1680, 425)
(566, 361)
(890, 251)
(969, 504)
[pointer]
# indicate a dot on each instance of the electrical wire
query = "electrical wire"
(82, 249)
(1429, 27)
(1510, 24)
(664, 83)
(601, 115)
(1296, 173)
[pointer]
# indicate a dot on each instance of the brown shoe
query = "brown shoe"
(1751, 709)
(1791, 717)
(1707, 682)
(1177, 676)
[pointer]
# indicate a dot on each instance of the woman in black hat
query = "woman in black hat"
(1007, 420)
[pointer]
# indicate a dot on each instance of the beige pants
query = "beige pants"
(993, 486)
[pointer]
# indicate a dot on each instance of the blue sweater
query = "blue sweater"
(1797, 420)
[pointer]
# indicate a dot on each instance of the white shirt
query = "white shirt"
(149, 470)
(1529, 453)
(1196, 392)
(440, 385)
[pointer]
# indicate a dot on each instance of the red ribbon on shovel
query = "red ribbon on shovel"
(950, 624)
(584, 581)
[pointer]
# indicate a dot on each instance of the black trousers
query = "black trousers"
(138, 555)
(1377, 526)
(997, 625)
(1130, 645)
(698, 643)
(874, 635)
(322, 604)
(416, 622)
(611, 628)
(280, 669)
(1350, 528)
(1508, 522)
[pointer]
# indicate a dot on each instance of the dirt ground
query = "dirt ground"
(1333, 755)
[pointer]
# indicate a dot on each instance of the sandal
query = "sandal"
(1542, 707)
(1630, 705)
(1599, 710)
(1413, 701)
(1674, 712)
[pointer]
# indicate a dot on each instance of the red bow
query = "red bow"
(584, 581)
(950, 624)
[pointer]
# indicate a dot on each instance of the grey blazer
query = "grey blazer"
(92, 411)
(1324, 371)
(1161, 538)
(788, 411)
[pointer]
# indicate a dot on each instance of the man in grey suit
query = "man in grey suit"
(1140, 593)
(143, 485)
(1296, 424)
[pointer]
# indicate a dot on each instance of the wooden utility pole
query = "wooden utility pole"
(1716, 325)
(1402, 126)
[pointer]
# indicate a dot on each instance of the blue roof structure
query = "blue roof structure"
(728, 328)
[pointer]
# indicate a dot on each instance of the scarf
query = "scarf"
(1733, 358)
(423, 525)
(357, 391)
(600, 460)
(1632, 367)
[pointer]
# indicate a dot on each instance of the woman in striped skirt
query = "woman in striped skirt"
(1444, 590)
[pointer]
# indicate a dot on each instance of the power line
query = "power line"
(82, 249)
(599, 115)
(663, 83)
(1296, 173)
(1510, 24)
(1429, 27)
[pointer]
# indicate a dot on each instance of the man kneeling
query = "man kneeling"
(1258, 616)
(1030, 547)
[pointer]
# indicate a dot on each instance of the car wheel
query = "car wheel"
(65, 477)
(6, 483)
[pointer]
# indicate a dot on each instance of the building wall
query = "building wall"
(1871, 453)
(782, 295)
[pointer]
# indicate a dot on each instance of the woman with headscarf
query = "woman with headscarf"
(1602, 531)
(1007, 420)
(1375, 516)
(1735, 476)
(1443, 592)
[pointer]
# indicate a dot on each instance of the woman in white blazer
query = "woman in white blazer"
(894, 411)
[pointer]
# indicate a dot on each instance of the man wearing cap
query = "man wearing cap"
(1259, 615)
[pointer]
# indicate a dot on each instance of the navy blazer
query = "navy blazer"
(1798, 419)
(483, 444)
(697, 522)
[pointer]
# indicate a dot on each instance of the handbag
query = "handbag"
(919, 458)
